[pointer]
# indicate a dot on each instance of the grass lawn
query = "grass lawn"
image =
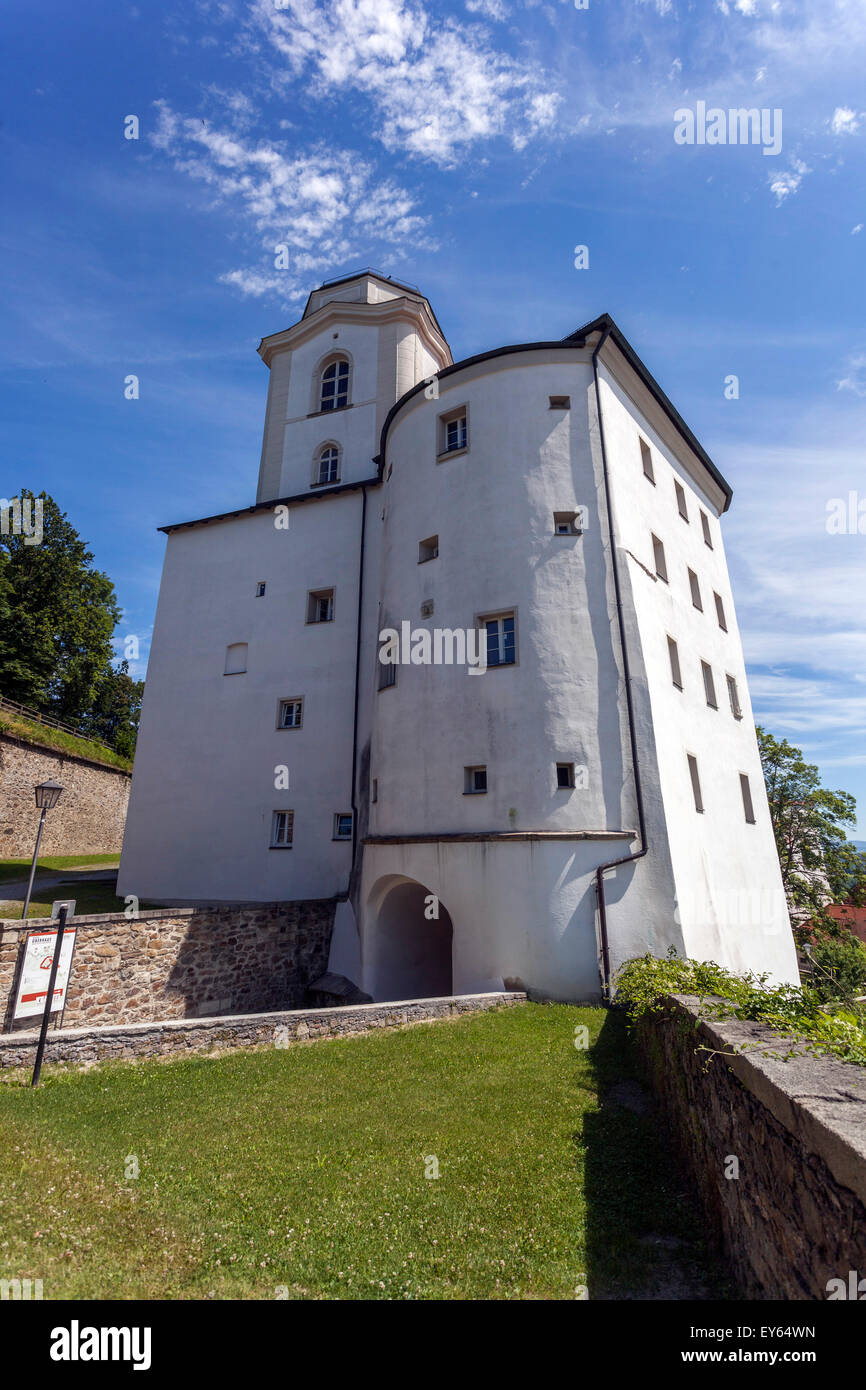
(89, 897)
(305, 1168)
(14, 870)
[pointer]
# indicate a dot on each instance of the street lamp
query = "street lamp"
(47, 797)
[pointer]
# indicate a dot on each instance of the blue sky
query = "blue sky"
(467, 148)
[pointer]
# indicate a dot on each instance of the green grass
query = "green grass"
(305, 1168)
(14, 870)
(88, 897)
(33, 732)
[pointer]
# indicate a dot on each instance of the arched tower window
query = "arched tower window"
(335, 385)
(326, 465)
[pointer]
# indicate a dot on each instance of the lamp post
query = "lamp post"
(47, 797)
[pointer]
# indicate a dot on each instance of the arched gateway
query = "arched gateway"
(407, 949)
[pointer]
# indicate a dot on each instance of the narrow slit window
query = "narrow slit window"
(682, 507)
(659, 559)
(696, 783)
(705, 527)
(748, 807)
(674, 654)
(647, 461)
(260, 589)
(696, 591)
(709, 685)
(720, 612)
(734, 697)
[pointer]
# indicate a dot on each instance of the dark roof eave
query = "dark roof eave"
(314, 495)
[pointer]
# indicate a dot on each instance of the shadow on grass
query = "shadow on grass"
(645, 1236)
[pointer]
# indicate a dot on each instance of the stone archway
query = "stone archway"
(408, 951)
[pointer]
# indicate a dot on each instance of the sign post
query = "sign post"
(49, 998)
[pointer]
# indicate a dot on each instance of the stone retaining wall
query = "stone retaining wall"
(277, 1029)
(89, 817)
(184, 962)
(795, 1217)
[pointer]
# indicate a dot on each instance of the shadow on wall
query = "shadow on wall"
(409, 950)
(645, 1236)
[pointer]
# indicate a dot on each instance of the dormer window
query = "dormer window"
(326, 466)
(335, 385)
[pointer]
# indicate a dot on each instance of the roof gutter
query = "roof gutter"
(602, 869)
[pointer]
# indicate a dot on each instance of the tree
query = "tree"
(114, 716)
(819, 864)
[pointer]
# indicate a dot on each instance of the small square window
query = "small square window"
(342, 825)
(696, 783)
(560, 402)
(453, 431)
(427, 608)
(659, 558)
(564, 775)
(746, 791)
(734, 697)
(282, 829)
(474, 780)
(720, 612)
(709, 685)
(320, 606)
(676, 673)
(696, 591)
(647, 461)
(705, 527)
(290, 714)
(236, 659)
(567, 524)
(428, 550)
(682, 507)
(260, 589)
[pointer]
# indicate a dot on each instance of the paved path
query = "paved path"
(15, 891)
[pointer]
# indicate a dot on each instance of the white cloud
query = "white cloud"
(786, 182)
(844, 121)
(323, 205)
(855, 378)
(491, 9)
(856, 230)
(438, 86)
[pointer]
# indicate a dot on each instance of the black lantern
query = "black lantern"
(47, 795)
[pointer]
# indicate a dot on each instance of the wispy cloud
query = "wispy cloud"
(786, 182)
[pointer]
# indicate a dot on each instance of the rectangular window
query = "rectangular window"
(282, 829)
(387, 674)
(564, 775)
(453, 431)
(696, 783)
(659, 558)
(290, 714)
(705, 527)
(428, 550)
(747, 799)
(501, 643)
(647, 461)
(320, 606)
(260, 589)
(734, 697)
(696, 590)
(720, 611)
(236, 659)
(681, 501)
(709, 685)
(676, 673)
(560, 402)
(342, 825)
(474, 780)
(374, 796)
(566, 524)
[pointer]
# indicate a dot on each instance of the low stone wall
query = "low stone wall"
(795, 1216)
(277, 1029)
(184, 962)
(89, 817)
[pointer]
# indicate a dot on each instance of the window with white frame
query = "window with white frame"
(282, 829)
(342, 825)
(335, 385)
(327, 465)
(647, 461)
(734, 697)
(454, 431)
(696, 782)
(501, 637)
(746, 792)
(320, 606)
(290, 714)
(709, 685)
(236, 659)
(474, 780)
(696, 590)
(659, 559)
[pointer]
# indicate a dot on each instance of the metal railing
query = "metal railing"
(36, 718)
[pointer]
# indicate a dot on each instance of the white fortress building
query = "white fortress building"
(589, 791)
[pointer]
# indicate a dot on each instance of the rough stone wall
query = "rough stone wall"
(89, 817)
(77, 1046)
(184, 962)
(795, 1217)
